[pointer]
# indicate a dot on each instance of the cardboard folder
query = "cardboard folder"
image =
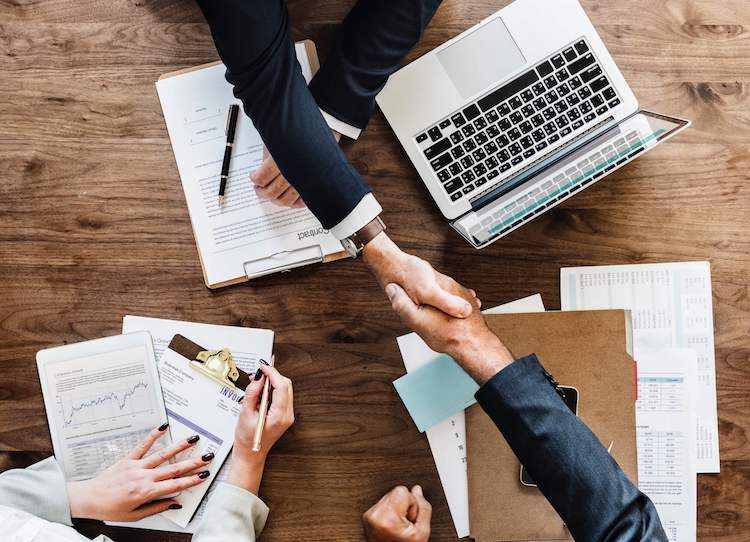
(584, 349)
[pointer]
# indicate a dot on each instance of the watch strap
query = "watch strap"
(368, 232)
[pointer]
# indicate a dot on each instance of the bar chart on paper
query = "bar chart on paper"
(105, 405)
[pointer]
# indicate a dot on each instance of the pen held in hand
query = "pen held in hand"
(262, 411)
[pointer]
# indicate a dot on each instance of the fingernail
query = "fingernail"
(194, 439)
(175, 506)
(418, 490)
(207, 457)
(203, 475)
(258, 374)
(163, 427)
(390, 291)
(264, 362)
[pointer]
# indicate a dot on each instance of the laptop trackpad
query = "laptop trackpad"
(484, 57)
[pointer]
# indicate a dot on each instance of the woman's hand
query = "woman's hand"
(247, 466)
(129, 489)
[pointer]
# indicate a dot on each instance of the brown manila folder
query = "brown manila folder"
(587, 350)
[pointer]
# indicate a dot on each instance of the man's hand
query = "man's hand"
(467, 340)
(422, 283)
(400, 516)
(270, 184)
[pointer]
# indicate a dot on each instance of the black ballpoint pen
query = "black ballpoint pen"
(234, 111)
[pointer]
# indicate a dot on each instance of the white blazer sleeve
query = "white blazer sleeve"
(232, 514)
(39, 489)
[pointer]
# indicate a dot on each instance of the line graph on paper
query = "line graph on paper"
(129, 399)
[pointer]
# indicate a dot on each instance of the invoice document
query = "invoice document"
(247, 345)
(665, 422)
(448, 438)
(672, 308)
(247, 236)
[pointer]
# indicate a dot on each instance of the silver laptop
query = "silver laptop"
(516, 115)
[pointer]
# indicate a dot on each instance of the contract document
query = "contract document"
(448, 439)
(247, 345)
(672, 308)
(246, 237)
(665, 422)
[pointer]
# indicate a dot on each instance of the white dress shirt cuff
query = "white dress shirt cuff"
(340, 126)
(366, 210)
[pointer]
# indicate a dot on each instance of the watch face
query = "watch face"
(350, 247)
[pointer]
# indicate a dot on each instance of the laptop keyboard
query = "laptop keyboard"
(518, 122)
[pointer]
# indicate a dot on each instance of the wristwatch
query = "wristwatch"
(355, 243)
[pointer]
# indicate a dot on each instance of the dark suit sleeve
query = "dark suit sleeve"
(593, 496)
(372, 42)
(254, 42)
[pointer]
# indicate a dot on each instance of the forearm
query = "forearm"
(572, 469)
(254, 42)
(372, 42)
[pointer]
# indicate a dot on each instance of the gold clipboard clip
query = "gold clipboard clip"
(218, 365)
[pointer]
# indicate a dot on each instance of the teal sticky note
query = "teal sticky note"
(436, 391)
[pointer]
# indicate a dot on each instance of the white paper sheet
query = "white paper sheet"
(672, 308)
(247, 235)
(448, 438)
(247, 345)
(665, 421)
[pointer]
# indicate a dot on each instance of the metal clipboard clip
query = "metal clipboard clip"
(218, 365)
(283, 261)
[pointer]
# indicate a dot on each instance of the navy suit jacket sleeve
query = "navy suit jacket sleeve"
(254, 41)
(593, 496)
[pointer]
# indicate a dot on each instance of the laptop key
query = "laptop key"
(562, 75)
(504, 124)
(490, 148)
(435, 133)
(538, 135)
(480, 123)
(481, 138)
(553, 138)
(471, 112)
(455, 169)
(492, 174)
(561, 107)
(480, 169)
(480, 182)
(527, 95)
(572, 99)
(591, 73)
(551, 97)
(527, 142)
(503, 155)
(479, 155)
(529, 153)
(422, 137)
(453, 185)
(539, 89)
(492, 162)
(573, 114)
(505, 167)
(457, 137)
(444, 175)
(528, 110)
(565, 131)
(469, 145)
(468, 189)
(599, 84)
(550, 82)
(581, 47)
(569, 54)
(445, 124)
(544, 69)
(467, 161)
(514, 134)
(458, 120)
(437, 149)
(549, 113)
(493, 131)
(515, 102)
(574, 82)
(541, 145)
(526, 127)
(468, 177)
(537, 120)
(581, 63)
(597, 100)
(563, 90)
(503, 109)
(609, 93)
(550, 128)
(603, 109)
(456, 196)
(492, 116)
(614, 103)
(441, 162)
(589, 117)
(502, 141)
(516, 117)
(577, 124)
(517, 160)
(584, 92)
(557, 61)
(585, 107)
(458, 152)
(514, 149)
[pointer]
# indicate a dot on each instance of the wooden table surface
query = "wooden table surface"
(93, 226)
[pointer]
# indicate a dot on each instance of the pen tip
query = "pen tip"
(221, 201)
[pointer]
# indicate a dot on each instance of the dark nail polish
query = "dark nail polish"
(193, 439)
(203, 475)
(207, 457)
(163, 427)
(258, 374)
(264, 362)
(175, 506)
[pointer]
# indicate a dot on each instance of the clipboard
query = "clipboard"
(283, 260)
(202, 392)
